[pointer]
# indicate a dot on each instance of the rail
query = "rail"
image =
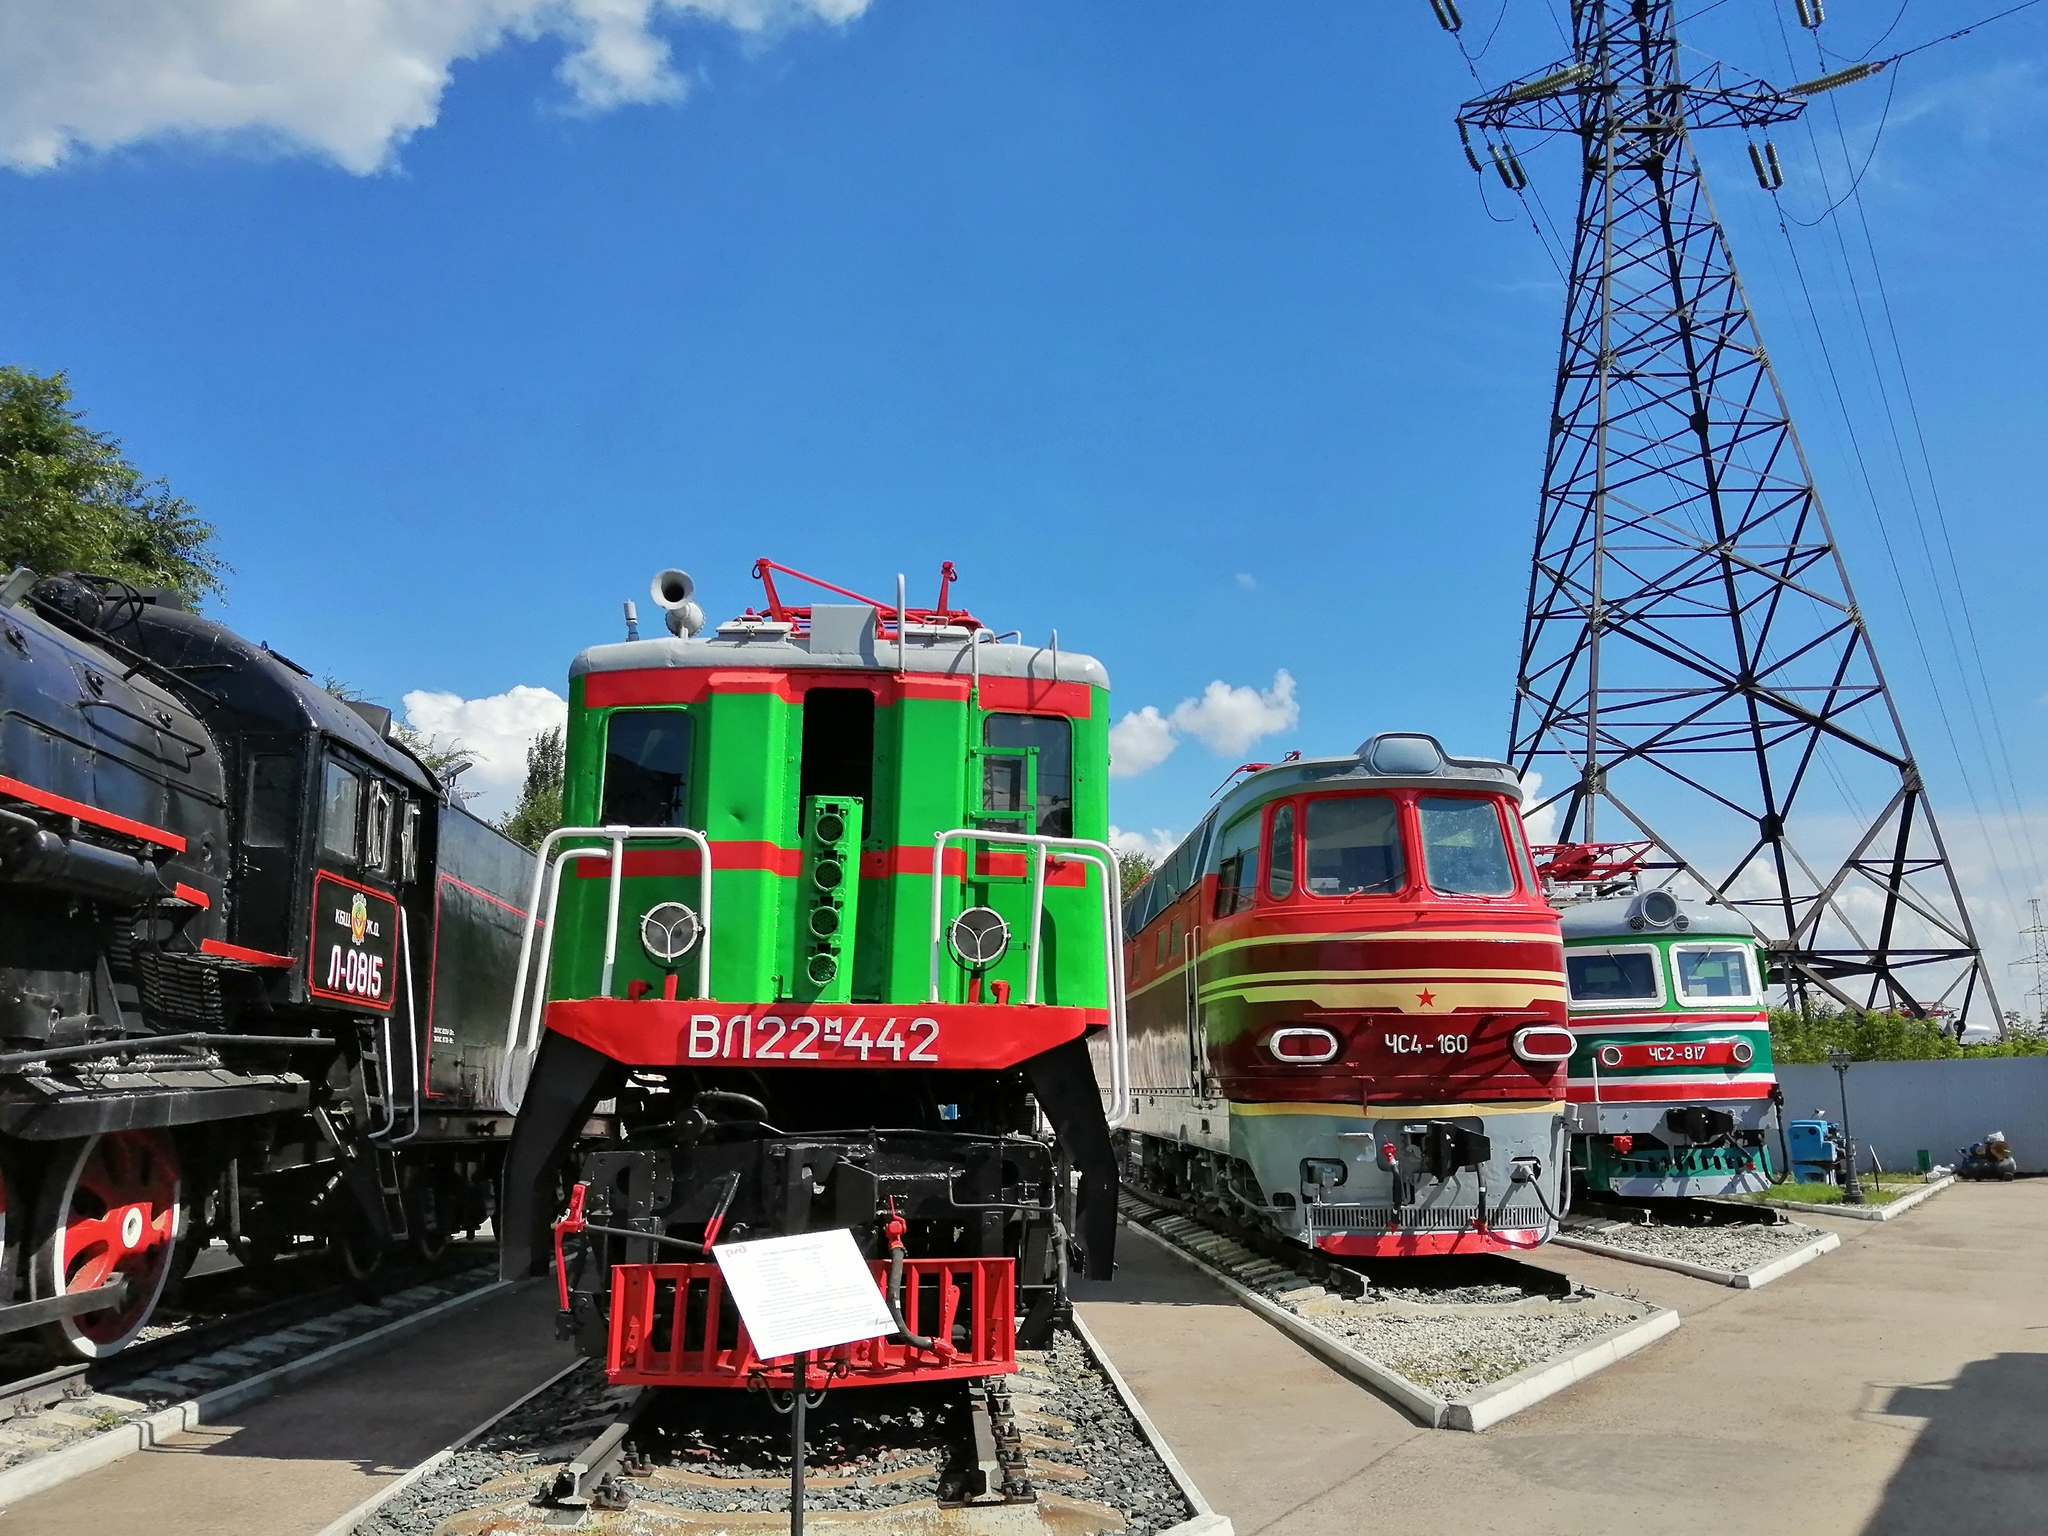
(522, 1028)
(1040, 849)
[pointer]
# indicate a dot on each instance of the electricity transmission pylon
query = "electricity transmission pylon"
(2037, 935)
(1695, 670)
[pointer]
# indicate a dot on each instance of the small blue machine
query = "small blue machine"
(1813, 1145)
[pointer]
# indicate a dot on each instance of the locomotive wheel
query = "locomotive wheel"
(360, 1256)
(10, 1234)
(427, 1206)
(110, 1205)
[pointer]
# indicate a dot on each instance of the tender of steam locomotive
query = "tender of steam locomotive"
(1672, 1088)
(823, 945)
(1347, 1009)
(253, 964)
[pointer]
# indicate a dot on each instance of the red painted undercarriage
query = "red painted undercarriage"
(672, 1325)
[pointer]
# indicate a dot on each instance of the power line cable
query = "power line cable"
(1877, 510)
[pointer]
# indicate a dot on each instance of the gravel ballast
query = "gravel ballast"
(720, 1460)
(1737, 1246)
(1453, 1343)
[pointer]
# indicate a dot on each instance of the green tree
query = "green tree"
(70, 500)
(1879, 1035)
(539, 810)
(1136, 865)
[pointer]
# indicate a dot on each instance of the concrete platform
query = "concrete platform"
(1901, 1387)
(289, 1465)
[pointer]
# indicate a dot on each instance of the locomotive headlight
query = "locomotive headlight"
(979, 937)
(1610, 1056)
(669, 931)
(1303, 1047)
(1544, 1042)
(1742, 1053)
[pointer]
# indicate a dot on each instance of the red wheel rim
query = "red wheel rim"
(120, 1217)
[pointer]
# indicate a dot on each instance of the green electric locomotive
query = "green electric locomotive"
(830, 940)
(1672, 1092)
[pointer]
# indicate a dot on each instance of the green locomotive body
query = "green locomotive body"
(831, 933)
(1672, 1090)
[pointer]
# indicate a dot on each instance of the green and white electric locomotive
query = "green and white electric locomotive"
(1672, 1092)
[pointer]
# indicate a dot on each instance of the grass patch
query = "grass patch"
(1878, 1189)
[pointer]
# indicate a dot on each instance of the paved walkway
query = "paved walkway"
(1898, 1385)
(292, 1464)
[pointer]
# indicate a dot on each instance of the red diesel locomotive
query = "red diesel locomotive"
(1347, 1010)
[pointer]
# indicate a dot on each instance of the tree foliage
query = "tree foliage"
(1876, 1035)
(1137, 865)
(70, 500)
(539, 810)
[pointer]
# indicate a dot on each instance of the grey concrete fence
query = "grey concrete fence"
(1903, 1107)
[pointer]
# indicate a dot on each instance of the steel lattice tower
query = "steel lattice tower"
(1693, 656)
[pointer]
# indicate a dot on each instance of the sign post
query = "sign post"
(799, 1294)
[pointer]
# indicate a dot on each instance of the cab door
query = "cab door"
(270, 806)
(352, 950)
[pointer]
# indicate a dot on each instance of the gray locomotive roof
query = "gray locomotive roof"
(842, 637)
(1608, 919)
(1390, 760)
(1370, 766)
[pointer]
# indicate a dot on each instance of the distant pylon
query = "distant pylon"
(1693, 658)
(2037, 935)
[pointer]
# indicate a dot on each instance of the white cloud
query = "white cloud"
(1228, 720)
(1539, 824)
(1225, 719)
(1247, 581)
(494, 732)
(1139, 742)
(1155, 845)
(350, 80)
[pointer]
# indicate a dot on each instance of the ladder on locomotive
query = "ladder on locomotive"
(394, 1117)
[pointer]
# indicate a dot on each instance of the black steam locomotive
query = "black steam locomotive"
(255, 965)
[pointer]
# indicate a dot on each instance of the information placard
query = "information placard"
(810, 1291)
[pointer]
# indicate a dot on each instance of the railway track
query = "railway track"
(1060, 1445)
(214, 1311)
(1460, 1343)
(233, 1336)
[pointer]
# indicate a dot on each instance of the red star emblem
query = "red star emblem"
(1425, 998)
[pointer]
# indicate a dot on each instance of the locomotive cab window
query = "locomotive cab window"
(270, 801)
(1237, 866)
(1464, 852)
(1614, 976)
(409, 843)
(646, 769)
(1029, 767)
(378, 825)
(1280, 855)
(1352, 846)
(341, 801)
(1713, 974)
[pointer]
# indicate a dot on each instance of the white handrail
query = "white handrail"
(523, 1026)
(412, 1028)
(1105, 857)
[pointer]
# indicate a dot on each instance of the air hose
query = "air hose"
(1521, 1175)
(894, 1296)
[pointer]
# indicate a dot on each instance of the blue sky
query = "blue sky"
(1181, 329)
